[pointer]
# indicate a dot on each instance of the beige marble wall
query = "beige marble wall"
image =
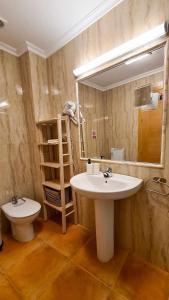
(121, 127)
(141, 222)
(108, 113)
(15, 166)
(93, 110)
(37, 107)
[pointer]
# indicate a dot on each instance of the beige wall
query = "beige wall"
(92, 108)
(112, 114)
(37, 106)
(121, 128)
(15, 167)
(141, 223)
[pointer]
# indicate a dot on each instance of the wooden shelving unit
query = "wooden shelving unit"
(57, 165)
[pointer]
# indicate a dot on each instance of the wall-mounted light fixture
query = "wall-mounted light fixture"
(134, 59)
(3, 22)
(151, 35)
(4, 104)
(19, 90)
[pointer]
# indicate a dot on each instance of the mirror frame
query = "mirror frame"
(158, 43)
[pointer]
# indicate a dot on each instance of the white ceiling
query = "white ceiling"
(125, 73)
(48, 24)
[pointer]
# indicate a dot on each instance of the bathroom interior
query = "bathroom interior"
(84, 165)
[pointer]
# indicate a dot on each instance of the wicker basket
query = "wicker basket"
(54, 197)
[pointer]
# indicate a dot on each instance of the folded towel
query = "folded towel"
(53, 141)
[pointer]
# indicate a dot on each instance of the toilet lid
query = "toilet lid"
(22, 209)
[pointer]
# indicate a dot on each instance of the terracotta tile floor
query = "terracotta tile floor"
(65, 267)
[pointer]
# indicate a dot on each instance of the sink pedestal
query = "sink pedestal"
(104, 215)
(105, 192)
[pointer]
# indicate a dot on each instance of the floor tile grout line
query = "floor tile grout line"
(40, 288)
(91, 275)
(99, 279)
(83, 268)
(69, 261)
(56, 249)
(80, 248)
(61, 252)
(6, 269)
(4, 272)
(85, 229)
(118, 273)
(122, 297)
(12, 284)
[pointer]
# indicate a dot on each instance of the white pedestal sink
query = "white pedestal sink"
(104, 191)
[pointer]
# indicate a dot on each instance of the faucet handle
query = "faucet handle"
(14, 200)
(108, 173)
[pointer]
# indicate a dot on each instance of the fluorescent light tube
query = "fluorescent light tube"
(131, 45)
(132, 60)
(4, 104)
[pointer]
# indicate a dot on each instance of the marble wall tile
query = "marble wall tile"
(34, 78)
(15, 166)
(138, 225)
(141, 222)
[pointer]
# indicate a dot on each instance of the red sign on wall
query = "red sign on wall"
(94, 135)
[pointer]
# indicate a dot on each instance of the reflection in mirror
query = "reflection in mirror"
(123, 109)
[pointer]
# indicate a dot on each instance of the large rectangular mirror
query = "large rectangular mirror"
(122, 110)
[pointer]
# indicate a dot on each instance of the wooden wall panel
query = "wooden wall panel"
(114, 117)
(136, 224)
(121, 127)
(150, 134)
(141, 222)
(15, 162)
(37, 107)
(92, 108)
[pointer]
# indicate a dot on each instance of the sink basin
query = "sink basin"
(97, 187)
(104, 191)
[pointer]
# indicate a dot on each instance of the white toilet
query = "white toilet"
(21, 215)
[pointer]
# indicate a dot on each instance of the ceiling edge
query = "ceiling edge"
(83, 24)
(79, 27)
(27, 46)
(117, 84)
(7, 48)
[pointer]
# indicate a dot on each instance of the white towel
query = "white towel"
(53, 141)
(117, 153)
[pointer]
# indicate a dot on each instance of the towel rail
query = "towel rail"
(158, 180)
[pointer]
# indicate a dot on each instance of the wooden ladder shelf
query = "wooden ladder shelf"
(57, 166)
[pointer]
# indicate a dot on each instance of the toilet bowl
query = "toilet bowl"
(21, 215)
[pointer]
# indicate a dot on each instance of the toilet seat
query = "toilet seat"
(24, 208)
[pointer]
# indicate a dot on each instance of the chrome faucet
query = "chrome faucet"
(107, 173)
(14, 200)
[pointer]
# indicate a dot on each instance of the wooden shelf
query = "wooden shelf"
(55, 184)
(51, 144)
(53, 164)
(59, 208)
(50, 121)
(57, 130)
(48, 144)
